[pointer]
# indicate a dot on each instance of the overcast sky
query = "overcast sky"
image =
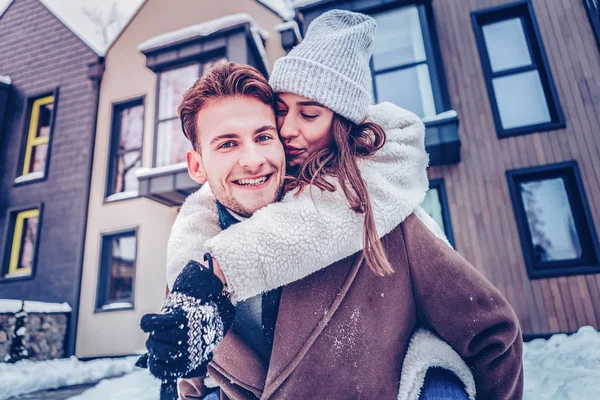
(75, 13)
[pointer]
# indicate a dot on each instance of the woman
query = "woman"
(321, 111)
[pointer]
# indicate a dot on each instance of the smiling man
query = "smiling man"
(240, 157)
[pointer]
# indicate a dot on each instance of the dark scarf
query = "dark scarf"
(270, 299)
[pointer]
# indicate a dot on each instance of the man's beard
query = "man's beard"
(232, 204)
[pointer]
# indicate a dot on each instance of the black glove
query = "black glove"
(193, 321)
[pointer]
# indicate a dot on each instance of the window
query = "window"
(554, 221)
(436, 205)
(38, 133)
(520, 86)
(126, 149)
(22, 243)
(403, 58)
(171, 143)
(117, 270)
(593, 9)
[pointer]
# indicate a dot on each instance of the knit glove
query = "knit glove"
(193, 321)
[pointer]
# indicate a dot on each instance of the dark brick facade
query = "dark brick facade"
(41, 54)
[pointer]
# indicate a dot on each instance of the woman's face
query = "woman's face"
(305, 127)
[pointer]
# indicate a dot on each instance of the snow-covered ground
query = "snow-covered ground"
(32, 376)
(562, 367)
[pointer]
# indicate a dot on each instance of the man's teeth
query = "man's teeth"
(252, 182)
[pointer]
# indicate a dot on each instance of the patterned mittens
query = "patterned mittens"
(193, 321)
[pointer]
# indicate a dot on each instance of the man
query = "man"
(342, 332)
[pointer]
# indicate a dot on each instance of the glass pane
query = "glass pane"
(399, 39)
(44, 119)
(172, 144)
(173, 84)
(209, 64)
(506, 44)
(38, 158)
(521, 100)
(409, 88)
(121, 269)
(550, 219)
(132, 128)
(28, 243)
(433, 206)
(125, 178)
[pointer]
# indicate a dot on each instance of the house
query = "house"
(49, 86)
(157, 56)
(515, 186)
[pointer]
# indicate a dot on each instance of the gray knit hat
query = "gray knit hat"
(331, 65)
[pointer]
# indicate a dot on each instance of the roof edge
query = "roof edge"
(133, 16)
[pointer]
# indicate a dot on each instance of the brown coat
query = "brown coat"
(342, 332)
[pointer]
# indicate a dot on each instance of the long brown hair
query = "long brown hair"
(340, 161)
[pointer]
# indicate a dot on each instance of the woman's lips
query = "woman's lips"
(293, 151)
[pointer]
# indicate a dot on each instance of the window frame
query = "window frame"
(440, 186)
(115, 133)
(157, 121)
(26, 146)
(582, 218)
(103, 270)
(199, 62)
(433, 60)
(9, 241)
(524, 11)
(593, 10)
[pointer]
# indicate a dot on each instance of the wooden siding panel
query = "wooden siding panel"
(480, 206)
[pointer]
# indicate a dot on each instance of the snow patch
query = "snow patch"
(281, 7)
(302, 3)
(13, 306)
(31, 376)
(441, 116)
(563, 367)
(122, 195)
(4, 78)
(138, 385)
(117, 306)
(146, 172)
(30, 177)
(293, 25)
(195, 31)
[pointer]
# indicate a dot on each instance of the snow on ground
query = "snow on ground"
(563, 367)
(32, 376)
(138, 385)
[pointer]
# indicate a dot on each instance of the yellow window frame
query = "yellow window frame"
(13, 266)
(32, 140)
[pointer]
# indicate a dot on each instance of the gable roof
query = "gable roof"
(78, 27)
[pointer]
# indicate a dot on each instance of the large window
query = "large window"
(520, 86)
(403, 63)
(171, 143)
(436, 205)
(37, 140)
(555, 225)
(21, 248)
(117, 271)
(126, 149)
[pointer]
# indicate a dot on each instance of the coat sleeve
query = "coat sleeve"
(196, 222)
(315, 229)
(458, 303)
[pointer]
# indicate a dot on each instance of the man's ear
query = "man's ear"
(195, 168)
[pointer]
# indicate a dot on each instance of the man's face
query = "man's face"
(241, 155)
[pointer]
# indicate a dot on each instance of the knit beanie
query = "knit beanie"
(331, 64)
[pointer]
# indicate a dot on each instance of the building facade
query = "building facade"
(158, 56)
(48, 97)
(522, 201)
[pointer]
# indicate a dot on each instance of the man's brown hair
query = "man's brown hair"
(221, 81)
